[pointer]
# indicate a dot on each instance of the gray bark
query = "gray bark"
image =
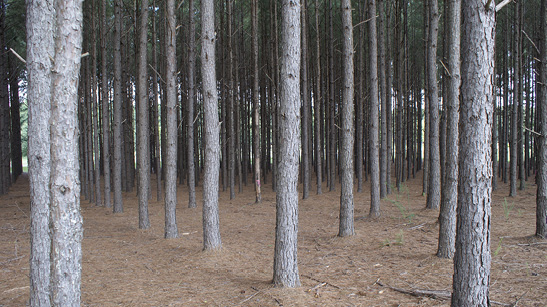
(472, 258)
(117, 176)
(143, 135)
(346, 227)
(231, 110)
(305, 106)
(5, 178)
(95, 111)
(211, 228)
(541, 200)
(317, 104)
(171, 230)
(449, 193)
(256, 128)
(434, 185)
(286, 232)
(155, 112)
(374, 105)
(105, 109)
(40, 48)
(384, 158)
(190, 107)
(66, 220)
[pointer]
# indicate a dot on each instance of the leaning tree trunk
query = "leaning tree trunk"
(373, 132)
(449, 193)
(346, 150)
(541, 201)
(285, 255)
(40, 45)
(211, 228)
(171, 230)
(66, 219)
(472, 259)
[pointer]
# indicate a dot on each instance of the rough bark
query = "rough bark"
(15, 118)
(317, 104)
(434, 185)
(211, 227)
(5, 178)
(346, 227)
(541, 200)
(305, 105)
(449, 193)
(171, 230)
(155, 112)
(40, 45)
(472, 258)
(231, 110)
(285, 256)
(117, 171)
(384, 158)
(66, 220)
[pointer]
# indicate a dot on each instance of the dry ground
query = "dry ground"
(126, 266)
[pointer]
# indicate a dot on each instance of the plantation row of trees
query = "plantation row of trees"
(371, 90)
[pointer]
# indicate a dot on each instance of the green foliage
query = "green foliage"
(507, 208)
(399, 239)
(498, 249)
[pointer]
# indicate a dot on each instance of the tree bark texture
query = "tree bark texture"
(105, 102)
(449, 193)
(117, 171)
(472, 258)
(384, 157)
(40, 46)
(211, 227)
(317, 105)
(255, 96)
(285, 256)
(66, 220)
(190, 107)
(541, 201)
(171, 230)
(305, 106)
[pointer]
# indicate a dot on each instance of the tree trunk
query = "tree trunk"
(305, 105)
(374, 105)
(285, 256)
(256, 126)
(190, 107)
(472, 258)
(384, 157)
(40, 45)
(118, 204)
(105, 101)
(66, 220)
(317, 105)
(16, 151)
(171, 230)
(449, 196)
(434, 185)
(211, 227)
(541, 201)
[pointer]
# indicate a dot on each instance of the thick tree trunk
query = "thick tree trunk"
(211, 227)
(449, 196)
(472, 258)
(374, 105)
(434, 185)
(171, 230)
(117, 182)
(66, 220)
(346, 227)
(285, 256)
(541, 201)
(40, 45)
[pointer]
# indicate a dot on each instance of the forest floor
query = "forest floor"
(126, 266)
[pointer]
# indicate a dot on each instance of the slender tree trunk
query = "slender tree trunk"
(317, 104)
(541, 200)
(190, 106)
(472, 258)
(66, 220)
(331, 105)
(143, 134)
(211, 227)
(374, 105)
(434, 185)
(449, 197)
(305, 105)
(426, 101)
(40, 45)
(389, 115)
(231, 110)
(384, 157)
(118, 204)
(285, 256)
(105, 109)
(95, 109)
(256, 125)
(155, 120)
(519, 81)
(5, 178)
(15, 118)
